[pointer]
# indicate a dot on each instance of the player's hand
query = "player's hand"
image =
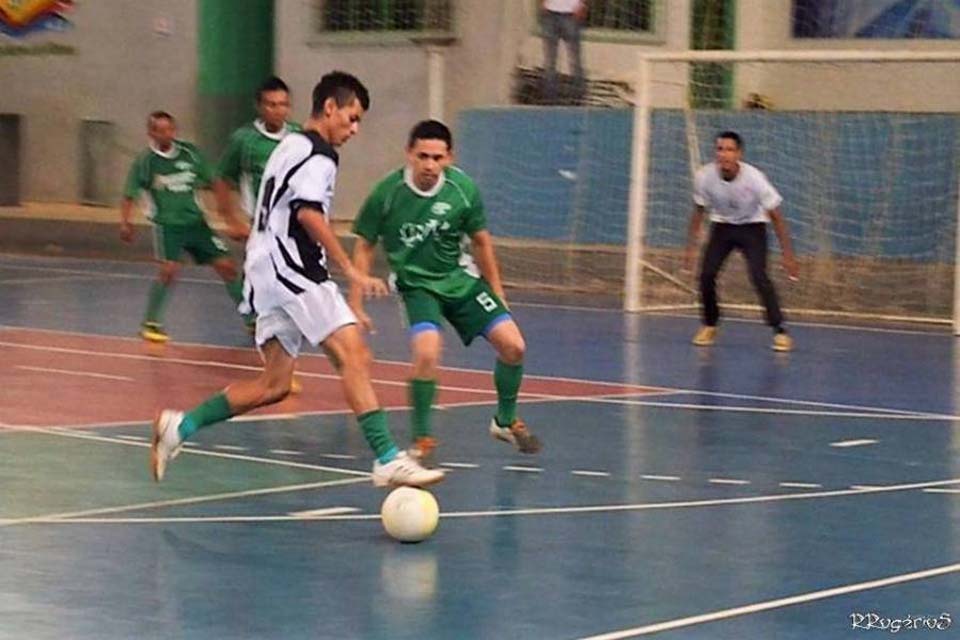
(239, 231)
(126, 232)
(791, 267)
(364, 320)
(369, 286)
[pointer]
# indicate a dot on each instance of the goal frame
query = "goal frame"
(637, 214)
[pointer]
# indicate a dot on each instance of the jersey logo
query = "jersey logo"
(182, 165)
(413, 234)
(440, 208)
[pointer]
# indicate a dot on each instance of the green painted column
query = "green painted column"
(235, 54)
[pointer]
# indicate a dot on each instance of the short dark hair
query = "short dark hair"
(430, 130)
(160, 115)
(731, 135)
(343, 88)
(273, 83)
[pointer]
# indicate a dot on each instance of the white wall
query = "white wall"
(121, 71)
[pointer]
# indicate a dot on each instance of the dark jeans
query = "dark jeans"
(556, 27)
(751, 240)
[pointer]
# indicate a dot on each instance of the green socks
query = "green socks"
(212, 410)
(235, 289)
(507, 378)
(422, 393)
(155, 303)
(374, 427)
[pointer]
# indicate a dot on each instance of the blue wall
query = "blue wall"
(877, 184)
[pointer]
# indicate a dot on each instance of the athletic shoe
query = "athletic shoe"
(166, 441)
(404, 471)
(782, 342)
(516, 434)
(705, 336)
(153, 332)
(422, 450)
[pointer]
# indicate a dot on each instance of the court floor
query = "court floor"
(730, 492)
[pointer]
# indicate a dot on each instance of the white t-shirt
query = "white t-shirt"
(284, 266)
(561, 6)
(743, 200)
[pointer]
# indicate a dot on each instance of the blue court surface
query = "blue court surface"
(728, 492)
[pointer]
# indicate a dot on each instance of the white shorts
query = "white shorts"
(314, 315)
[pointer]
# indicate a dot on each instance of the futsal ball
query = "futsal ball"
(409, 514)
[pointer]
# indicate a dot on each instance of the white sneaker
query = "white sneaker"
(404, 470)
(166, 441)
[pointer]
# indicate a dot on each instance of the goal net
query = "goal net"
(863, 146)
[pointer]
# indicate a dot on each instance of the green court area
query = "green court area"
(47, 473)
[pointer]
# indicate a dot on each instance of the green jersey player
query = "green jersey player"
(242, 162)
(422, 214)
(170, 172)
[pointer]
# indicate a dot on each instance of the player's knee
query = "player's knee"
(425, 362)
(513, 351)
(359, 357)
(276, 391)
(168, 273)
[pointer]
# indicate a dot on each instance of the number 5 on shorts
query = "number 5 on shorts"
(485, 301)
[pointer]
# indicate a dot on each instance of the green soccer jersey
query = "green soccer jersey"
(423, 234)
(245, 157)
(171, 179)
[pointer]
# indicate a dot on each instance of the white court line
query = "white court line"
(775, 604)
(941, 490)
(229, 447)
(801, 485)
(133, 438)
(650, 476)
(202, 452)
(328, 511)
(67, 516)
(727, 481)
(532, 305)
(286, 452)
(547, 511)
(858, 411)
(338, 456)
(460, 465)
(522, 469)
(73, 372)
(590, 474)
(853, 443)
(16, 281)
(863, 487)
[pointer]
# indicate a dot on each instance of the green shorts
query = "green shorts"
(199, 240)
(472, 315)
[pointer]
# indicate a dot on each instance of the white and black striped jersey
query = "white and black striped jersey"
(283, 262)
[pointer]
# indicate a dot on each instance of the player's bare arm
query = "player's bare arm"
(783, 237)
(320, 232)
(126, 217)
(486, 259)
(363, 253)
(693, 236)
(237, 227)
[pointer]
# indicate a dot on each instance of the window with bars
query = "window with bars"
(621, 15)
(394, 16)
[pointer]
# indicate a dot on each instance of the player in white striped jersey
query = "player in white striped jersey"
(289, 288)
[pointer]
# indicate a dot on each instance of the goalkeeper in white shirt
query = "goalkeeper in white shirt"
(740, 201)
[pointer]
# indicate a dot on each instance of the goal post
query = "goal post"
(863, 145)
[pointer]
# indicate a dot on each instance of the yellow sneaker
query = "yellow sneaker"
(153, 332)
(782, 342)
(705, 336)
